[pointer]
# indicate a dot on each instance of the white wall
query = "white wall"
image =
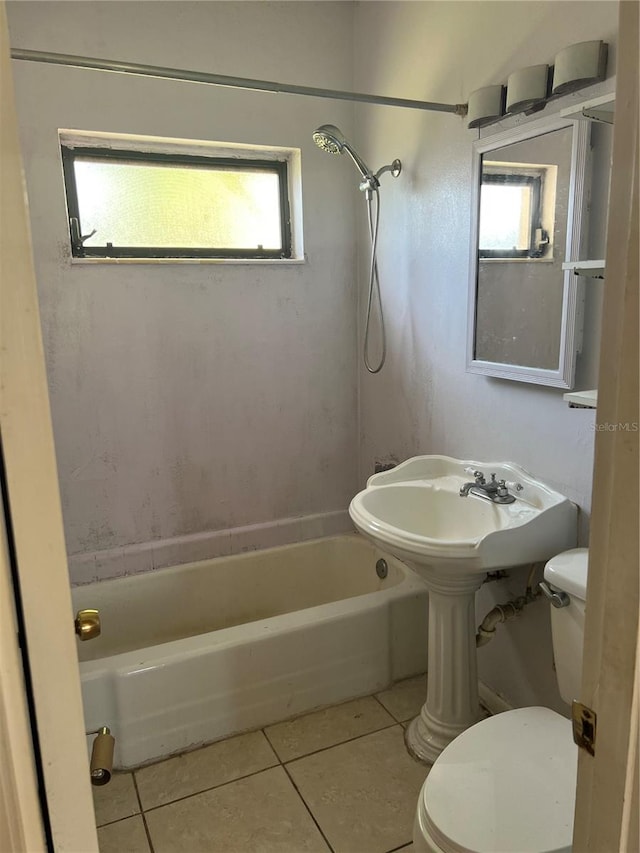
(424, 401)
(190, 400)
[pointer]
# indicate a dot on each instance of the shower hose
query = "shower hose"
(374, 282)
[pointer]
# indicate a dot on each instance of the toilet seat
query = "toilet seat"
(506, 784)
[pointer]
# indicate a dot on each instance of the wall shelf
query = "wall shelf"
(600, 109)
(592, 269)
(581, 399)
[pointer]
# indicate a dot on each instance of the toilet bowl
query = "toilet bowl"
(508, 783)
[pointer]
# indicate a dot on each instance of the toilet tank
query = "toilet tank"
(568, 573)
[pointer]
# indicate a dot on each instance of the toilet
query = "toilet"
(508, 783)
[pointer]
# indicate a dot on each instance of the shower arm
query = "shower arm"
(395, 168)
(372, 182)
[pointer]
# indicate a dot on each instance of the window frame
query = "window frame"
(534, 182)
(70, 152)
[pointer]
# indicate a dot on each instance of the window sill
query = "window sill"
(154, 261)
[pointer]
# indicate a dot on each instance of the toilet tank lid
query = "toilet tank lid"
(568, 572)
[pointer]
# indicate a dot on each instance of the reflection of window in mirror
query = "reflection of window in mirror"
(517, 202)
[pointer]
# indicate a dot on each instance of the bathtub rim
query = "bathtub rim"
(161, 654)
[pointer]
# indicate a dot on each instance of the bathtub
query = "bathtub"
(197, 652)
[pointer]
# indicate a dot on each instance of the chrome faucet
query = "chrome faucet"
(495, 491)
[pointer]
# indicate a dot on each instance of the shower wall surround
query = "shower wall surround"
(424, 401)
(205, 409)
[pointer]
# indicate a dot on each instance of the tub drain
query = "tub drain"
(382, 570)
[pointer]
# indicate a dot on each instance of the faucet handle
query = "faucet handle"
(503, 490)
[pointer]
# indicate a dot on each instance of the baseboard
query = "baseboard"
(492, 701)
(160, 553)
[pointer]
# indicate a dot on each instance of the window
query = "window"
(138, 204)
(511, 212)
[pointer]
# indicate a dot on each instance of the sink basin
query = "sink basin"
(428, 514)
(415, 512)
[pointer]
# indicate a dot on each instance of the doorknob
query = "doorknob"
(87, 624)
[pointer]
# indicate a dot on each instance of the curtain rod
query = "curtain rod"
(223, 80)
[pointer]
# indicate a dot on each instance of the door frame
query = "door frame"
(607, 789)
(38, 545)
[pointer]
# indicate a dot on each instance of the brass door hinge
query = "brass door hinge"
(584, 726)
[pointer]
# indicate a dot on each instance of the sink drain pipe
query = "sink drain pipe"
(504, 612)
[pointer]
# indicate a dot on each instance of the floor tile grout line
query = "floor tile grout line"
(275, 751)
(141, 813)
(135, 787)
(340, 743)
(279, 763)
(320, 711)
(127, 816)
(117, 820)
(263, 730)
(146, 829)
(144, 810)
(308, 808)
(212, 788)
(144, 818)
(391, 714)
(189, 796)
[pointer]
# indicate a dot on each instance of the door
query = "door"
(606, 802)
(36, 525)
(21, 824)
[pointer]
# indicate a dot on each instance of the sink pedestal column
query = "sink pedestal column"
(452, 678)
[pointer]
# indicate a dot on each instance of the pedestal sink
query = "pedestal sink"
(416, 512)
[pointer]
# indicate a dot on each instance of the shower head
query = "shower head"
(331, 139)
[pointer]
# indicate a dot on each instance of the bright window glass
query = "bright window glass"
(505, 217)
(167, 207)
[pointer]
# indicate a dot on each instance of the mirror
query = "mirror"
(528, 201)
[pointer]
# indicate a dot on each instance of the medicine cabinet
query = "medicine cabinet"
(528, 220)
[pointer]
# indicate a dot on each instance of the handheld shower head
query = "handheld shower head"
(331, 139)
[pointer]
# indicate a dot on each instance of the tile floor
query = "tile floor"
(336, 780)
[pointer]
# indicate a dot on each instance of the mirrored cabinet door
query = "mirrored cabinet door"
(528, 218)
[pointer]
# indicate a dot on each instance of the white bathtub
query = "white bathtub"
(194, 653)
